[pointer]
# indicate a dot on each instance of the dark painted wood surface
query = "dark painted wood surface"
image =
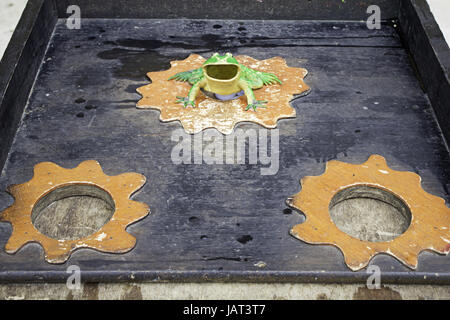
(431, 55)
(216, 222)
(231, 9)
(19, 66)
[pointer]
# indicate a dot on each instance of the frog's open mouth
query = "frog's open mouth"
(222, 71)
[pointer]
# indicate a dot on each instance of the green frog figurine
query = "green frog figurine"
(225, 78)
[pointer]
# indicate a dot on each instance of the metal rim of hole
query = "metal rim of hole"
(70, 191)
(400, 210)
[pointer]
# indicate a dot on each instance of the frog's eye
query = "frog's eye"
(228, 54)
(215, 54)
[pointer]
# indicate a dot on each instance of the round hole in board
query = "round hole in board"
(72, 212)
(369, 213)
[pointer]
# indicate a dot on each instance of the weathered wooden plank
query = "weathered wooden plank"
(431, 55)
(232, 9)
(221, 220)
(19, 66)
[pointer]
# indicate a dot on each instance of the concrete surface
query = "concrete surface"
(369, 214)
(441, 10)
(216, 291)
(9, 14)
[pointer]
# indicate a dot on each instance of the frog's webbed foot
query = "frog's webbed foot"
(186, 102)
(252, 102)
(256, 104)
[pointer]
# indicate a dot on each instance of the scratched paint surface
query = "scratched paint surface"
(224, 222)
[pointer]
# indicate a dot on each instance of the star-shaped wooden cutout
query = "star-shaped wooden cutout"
(223, 115)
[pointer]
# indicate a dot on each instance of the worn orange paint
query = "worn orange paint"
(223, 115)
(48, 177)
(430, 223)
